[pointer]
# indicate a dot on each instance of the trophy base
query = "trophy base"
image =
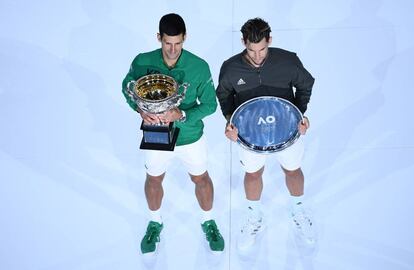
(161, 146)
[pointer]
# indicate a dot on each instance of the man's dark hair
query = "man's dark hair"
(254, 30)
(172, 24)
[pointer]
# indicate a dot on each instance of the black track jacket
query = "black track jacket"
(281, 73)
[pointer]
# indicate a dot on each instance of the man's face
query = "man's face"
(171, 47)
(257, 52)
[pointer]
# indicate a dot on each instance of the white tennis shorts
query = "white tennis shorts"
(193, 156)
(289, 158)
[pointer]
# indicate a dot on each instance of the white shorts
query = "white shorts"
(289, 158)
(193, 156)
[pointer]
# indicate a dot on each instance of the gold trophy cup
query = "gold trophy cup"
(156, 94)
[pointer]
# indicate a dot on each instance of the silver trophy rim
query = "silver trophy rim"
(176, 86)
(273, 149)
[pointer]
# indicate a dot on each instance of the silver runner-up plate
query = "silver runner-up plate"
(267, 124)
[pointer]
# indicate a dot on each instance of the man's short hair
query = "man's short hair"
(254, 30)
(172, 24)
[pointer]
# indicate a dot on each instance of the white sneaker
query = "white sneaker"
(248, 233)
(303, 226)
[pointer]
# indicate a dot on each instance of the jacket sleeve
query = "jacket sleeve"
(303, 82)
(225, 93)
(206, 97)
(131, 76)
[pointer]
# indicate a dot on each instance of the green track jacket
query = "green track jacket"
(200, 98)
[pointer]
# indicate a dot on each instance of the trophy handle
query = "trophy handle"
(130, 89)
(185, 86)
(176, 100)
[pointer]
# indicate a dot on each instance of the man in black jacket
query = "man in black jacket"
(263, 71)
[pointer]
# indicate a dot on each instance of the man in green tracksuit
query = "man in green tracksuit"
(200, 101)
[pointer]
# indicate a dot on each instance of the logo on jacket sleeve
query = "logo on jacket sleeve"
(241, 81)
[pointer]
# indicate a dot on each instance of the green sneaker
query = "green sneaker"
(213, 236)
(152, 237)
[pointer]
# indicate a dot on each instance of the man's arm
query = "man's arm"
(131, 76)
(225, 94)
(303, 83)
(207, 102)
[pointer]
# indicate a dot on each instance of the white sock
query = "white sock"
(156, 215)
(206, 216)
(296, 203)
(254, 209)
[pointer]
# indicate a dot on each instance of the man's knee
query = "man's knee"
(254, 176)
(202, 179)
(293, 173)
(155, 179)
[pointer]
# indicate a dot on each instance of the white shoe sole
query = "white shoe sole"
(247, 248)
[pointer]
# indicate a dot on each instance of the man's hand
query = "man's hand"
(149, 118)
(303, 125)
(231, 132)
(171, 116)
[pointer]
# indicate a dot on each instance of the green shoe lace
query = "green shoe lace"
(213, 236)
(152, 237)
